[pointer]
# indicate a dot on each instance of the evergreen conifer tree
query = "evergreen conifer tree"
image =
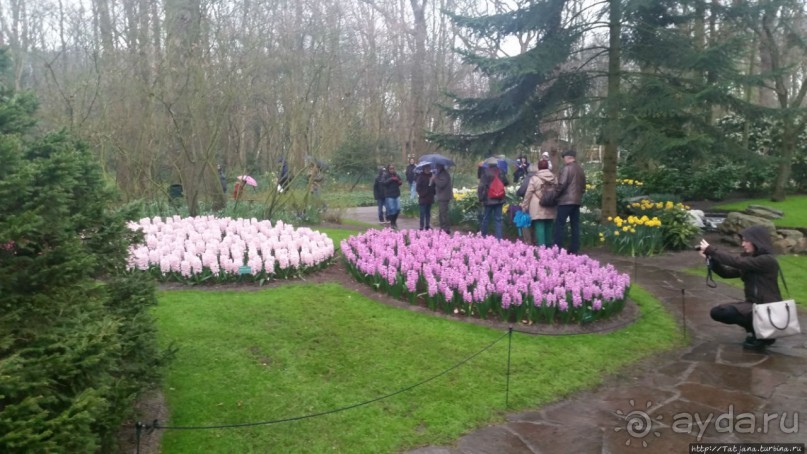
(76, 341)
(663, 80)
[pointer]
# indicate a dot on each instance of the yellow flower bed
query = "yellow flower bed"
(637, 235)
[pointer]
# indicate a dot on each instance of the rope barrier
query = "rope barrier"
(156, 425)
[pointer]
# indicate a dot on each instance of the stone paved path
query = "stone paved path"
(721, 388)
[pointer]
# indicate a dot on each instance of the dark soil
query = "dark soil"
(151, 404)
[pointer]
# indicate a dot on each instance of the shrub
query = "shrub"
(77, 342)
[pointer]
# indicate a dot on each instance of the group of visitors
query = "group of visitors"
(429, 184)
(432, 183)
(548, 224)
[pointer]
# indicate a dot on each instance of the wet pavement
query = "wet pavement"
(712, 391)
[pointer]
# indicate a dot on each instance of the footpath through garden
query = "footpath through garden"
(709, 392)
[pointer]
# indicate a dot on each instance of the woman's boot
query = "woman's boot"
(394, 221)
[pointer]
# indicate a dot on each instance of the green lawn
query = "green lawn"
(337, 235)
(794, 267)
(794, 207)
(303, 348)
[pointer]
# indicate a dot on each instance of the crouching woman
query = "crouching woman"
(759, 271)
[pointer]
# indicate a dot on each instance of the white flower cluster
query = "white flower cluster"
(189, 245)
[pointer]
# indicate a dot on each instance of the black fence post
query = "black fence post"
(509, 347)
(684, 311)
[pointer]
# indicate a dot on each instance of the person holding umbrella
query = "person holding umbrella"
(444, 193)
(426, 193)
(241, 183)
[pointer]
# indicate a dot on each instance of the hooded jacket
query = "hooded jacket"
(532, 197)
(759, 270)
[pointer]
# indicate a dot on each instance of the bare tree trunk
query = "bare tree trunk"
(417, 78)
(105, 28)
(609, 159)
(777, 56)
(183, 19)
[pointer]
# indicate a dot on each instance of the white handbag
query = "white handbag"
(774, 320)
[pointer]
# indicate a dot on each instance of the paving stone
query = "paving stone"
(790, 412)
(720, 399)
(492, 440)
(579, 411)
(550, 438)
(665, 442)
(759, 382)
(527, 416)
(686, 417)
(706, 351)
(638, 394)
(792, 390)
(667, 377)
(435, 450)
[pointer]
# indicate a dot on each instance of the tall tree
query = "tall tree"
(659, 68)
(531, 89)
(780, 29)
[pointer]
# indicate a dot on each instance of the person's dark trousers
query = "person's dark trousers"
(493, 212)
(572, 213)
(442, 215)
(728, 314)
(380, 210)
(425, 216)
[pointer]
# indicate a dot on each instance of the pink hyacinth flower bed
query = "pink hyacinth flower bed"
(480, 276)
(206, 248)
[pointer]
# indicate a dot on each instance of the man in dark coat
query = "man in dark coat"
(759, 271)
(571, 187)
(444, 193)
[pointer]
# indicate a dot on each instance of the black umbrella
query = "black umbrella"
(437, 159)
